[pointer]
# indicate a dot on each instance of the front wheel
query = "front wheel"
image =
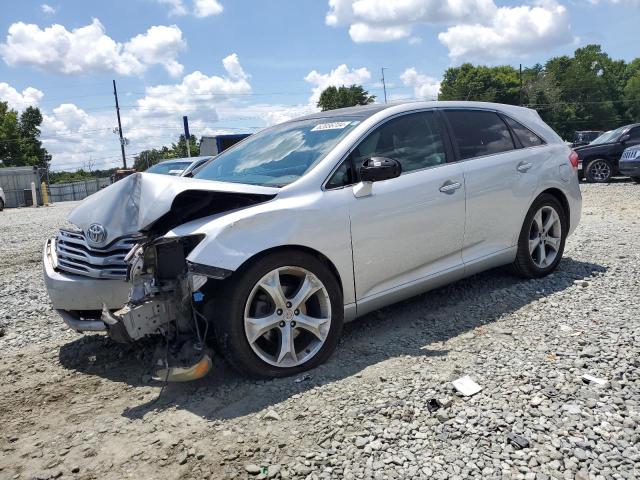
(279, 316)
(635, 179)
(542, 238)
(599, 171)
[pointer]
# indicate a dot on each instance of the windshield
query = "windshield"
(279, 155)
(610, 136)
(168, 168)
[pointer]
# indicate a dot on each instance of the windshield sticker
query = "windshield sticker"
(330, 126)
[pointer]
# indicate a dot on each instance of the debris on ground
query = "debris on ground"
(466, 387)
(517, 441)
(588, 378)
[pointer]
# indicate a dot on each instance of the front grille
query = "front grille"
(630, 154)
(76, 256)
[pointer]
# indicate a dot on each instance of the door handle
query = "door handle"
(524, 166)
(450, 187)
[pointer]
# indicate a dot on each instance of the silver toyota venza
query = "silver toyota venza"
(275, 243)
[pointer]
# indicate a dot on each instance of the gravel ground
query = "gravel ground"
(84, 407)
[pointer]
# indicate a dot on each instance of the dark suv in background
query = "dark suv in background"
(599, 159)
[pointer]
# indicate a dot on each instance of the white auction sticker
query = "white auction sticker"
(330, 126)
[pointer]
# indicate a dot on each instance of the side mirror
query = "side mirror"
(624, 138)
(376, 169)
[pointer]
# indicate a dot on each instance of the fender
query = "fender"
(294, 219)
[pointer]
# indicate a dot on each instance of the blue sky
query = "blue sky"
(167, 57)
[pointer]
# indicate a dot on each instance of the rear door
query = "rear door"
(409, 227)
(500, 179)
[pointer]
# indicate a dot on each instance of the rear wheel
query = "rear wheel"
(635, 179)
(1, 205)
(599, 171)
(542, 238)
(279, 316)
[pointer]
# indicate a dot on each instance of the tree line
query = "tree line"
(586, 91)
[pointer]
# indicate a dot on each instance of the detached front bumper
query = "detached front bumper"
(73, 295)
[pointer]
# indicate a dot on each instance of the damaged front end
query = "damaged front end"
(166, 299)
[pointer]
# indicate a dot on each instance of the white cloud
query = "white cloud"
(48, 9)
(197, 91)
(477, 28)
(207, 8)
(160, 45)
(424, 86)
(513, 31)
(19, 101)
(339, 76)
(362, 33)
(215, 104)
(201, 8)
(383, 20)
(88, 49)
(72, 134)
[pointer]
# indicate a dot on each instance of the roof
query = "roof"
(364, 111)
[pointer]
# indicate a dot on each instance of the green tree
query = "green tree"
(148, 158)
(9, 136)
(20, 144)
(481, 83)
(341, 97)
(30, 145)
(179, 149)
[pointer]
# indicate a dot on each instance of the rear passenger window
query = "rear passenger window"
(527, 137)
(479, 133)
(415, 140)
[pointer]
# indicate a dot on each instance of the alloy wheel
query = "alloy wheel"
(545, 237)
(600, 171)
(287, 316)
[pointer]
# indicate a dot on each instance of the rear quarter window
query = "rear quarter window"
(478, 133)
(527, 137)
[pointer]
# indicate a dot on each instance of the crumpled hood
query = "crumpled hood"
(137, 201)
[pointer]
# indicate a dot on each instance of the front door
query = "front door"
(409, 227)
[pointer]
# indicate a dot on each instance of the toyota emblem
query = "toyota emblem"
(96, 234)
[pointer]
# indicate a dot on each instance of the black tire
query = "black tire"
(226, 312)
(1, 205)
(524, 265)
(599, 171)
(635, 179)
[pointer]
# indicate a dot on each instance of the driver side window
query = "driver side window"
(414, 140)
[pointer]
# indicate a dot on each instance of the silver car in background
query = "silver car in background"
(179, 167)
(306, 225)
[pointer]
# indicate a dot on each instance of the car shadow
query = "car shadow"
(415, 327)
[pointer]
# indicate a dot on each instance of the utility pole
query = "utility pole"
(384, 85)
(187, 137)
(520, 84)
(124, 157)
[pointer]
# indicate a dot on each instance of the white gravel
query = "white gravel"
(84, 407)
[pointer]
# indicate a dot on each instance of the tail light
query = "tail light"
(574, 159)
